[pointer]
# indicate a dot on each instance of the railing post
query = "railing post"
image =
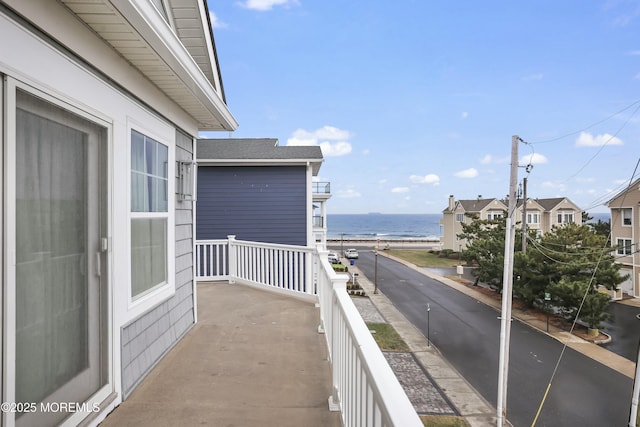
(233, 264)
(338, 284)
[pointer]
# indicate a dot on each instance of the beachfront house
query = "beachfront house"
(625, 229)
(540, 215)
(260, 191)
(102, 101)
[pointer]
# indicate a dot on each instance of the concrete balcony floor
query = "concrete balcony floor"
(253, 359)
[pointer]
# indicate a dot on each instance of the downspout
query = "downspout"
(194, 179)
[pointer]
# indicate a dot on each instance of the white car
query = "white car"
(333, 258)
(351, 254)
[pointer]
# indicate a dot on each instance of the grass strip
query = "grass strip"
(387, 338)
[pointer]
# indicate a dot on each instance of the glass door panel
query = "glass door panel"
(60, 331)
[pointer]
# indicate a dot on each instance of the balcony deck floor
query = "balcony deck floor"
(253, 359)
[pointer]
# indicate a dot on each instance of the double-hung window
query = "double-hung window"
(492, 215)
(626, 216)
(149, 214)
(565, 217)
(624, 246)
(533, 218)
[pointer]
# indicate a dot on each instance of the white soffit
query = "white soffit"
(180, 63)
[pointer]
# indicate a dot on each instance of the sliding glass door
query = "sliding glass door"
(60, 286)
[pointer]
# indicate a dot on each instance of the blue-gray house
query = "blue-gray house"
(260, 191)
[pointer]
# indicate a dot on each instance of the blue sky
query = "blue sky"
(412, 101)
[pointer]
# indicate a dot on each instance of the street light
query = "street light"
(375, 273)
(428, 311)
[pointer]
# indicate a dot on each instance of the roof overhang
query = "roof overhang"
(140, 34)
(315, 164)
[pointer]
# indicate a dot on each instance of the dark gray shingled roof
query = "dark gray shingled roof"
(256, 150)
(475, 205)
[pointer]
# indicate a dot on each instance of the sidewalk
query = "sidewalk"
(253, 359)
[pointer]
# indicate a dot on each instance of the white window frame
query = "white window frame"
(459, 217)
(565, 217)
(165, 135)
(624, 246)
(533, 217)
(626, 214)
(492, 215)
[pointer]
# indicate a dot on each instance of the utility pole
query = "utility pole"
(507, 286)
(524, 215)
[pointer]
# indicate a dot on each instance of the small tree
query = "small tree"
(486, 248)
(571, 262)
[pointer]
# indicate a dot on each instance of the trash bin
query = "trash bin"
(352, 261)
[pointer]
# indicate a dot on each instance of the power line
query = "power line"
(591, 125)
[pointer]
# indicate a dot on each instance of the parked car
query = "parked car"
(351, 254)
(333, 258)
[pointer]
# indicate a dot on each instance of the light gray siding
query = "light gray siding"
(148, 338)
(257, 203)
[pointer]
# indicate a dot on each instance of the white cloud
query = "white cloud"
(332, 141)
(427, 179)
(488, 159)
(532, 159)
(587, 140)
(215, 22)
(467, 173)
(400, 190)
(348, 194)
(264, 5)
(335, 149)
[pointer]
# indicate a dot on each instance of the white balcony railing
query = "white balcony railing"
(365, 389)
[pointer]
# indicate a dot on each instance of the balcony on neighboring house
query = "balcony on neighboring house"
(321, 188)
(321, 193)
(297, 354)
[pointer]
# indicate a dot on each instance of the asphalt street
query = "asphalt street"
(583, 392)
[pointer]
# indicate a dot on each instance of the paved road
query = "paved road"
(624, 327)
(583, 393)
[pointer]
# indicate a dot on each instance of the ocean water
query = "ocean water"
(393, 226)
(383, 226)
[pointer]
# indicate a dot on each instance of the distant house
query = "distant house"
(556, 211)
(102, 101)
(625, 229)
(541, 215)
(457, 213)
(260, 191)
